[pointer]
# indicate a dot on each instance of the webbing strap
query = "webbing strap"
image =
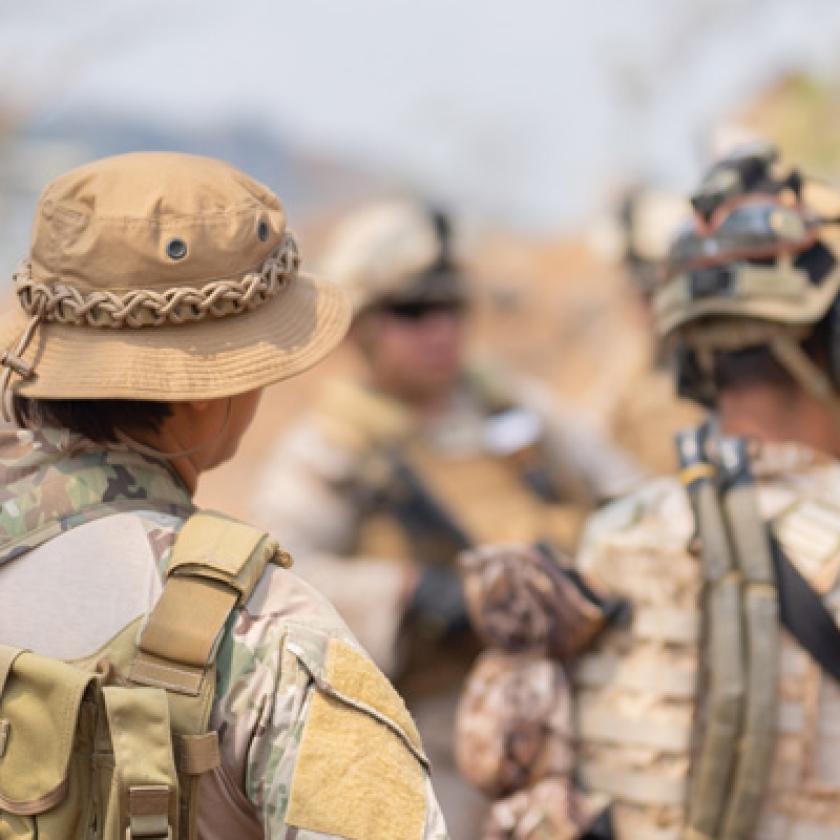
(216, 563)
(724, 641)
(676, 680)
(155, 671)
(212, 546)
(646, 787)
(760, 606)
(144, 765)
(198, 754)
(805, 615)
(664, 733)
(187, 620)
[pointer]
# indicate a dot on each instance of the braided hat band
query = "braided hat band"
(64, 304)
(162, 277)
(137, 308)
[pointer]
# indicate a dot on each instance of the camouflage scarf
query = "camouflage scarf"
(52, 481)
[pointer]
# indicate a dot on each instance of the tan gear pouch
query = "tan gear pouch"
(46, 746)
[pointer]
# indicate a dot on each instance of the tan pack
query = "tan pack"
(113, 746)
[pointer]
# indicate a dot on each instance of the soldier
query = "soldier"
(420, 457)
(710, 713)
(161, 294)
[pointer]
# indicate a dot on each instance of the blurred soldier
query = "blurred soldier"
(418, 459)
(162, 293)
(710, 712)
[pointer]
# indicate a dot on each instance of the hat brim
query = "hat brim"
(204, 360)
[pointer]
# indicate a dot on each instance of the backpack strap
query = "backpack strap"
(760, 610)
(717, 748)
(215, 565)
(741, 648)
(804, 613)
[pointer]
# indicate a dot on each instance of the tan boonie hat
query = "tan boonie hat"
(162, 276)
(395, 251)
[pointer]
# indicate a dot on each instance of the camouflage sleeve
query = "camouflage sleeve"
(303, 499)
(324, 746)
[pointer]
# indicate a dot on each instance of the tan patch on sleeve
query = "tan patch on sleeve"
(355, 776)
(354, 676)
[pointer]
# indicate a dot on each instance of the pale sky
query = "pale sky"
(529, 112)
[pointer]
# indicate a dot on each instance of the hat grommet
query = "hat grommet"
(176, 248)
(262, 230)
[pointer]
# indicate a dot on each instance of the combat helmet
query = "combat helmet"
(396, 251)
(756, 266)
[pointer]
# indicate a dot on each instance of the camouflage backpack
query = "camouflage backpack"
(114, 745)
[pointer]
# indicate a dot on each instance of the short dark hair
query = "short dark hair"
(97, 420)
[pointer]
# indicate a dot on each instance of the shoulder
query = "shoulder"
(329, 738)
(282, 600)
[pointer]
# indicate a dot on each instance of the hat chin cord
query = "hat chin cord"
(12, 362)
(152, 452)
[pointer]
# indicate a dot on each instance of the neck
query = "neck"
(779, 415)
(168, 439)
(188, 473)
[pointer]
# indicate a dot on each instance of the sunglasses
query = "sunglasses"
(417, 311)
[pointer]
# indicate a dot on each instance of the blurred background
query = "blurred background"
(550, 128)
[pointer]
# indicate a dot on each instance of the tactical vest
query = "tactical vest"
(113, 746)
(422, 503)
(665, 713)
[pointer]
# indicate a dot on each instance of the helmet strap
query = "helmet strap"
(789, 353)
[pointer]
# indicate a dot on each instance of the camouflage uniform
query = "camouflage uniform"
(78, 520)
(635, 692)
(173, 279)
(702, 716)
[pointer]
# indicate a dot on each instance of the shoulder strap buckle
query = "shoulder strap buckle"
(148, 813)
